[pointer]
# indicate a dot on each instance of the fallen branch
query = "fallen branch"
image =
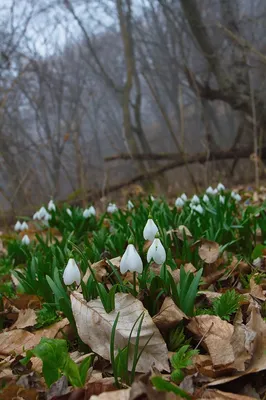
(179, 159)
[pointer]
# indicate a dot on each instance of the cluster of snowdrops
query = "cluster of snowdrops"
(131, 260)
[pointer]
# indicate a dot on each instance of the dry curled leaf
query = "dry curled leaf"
(214, 330)
(95, 325)
(26, 318)
(215, 394)
(209, 251)
(101, 269)
(169, 315)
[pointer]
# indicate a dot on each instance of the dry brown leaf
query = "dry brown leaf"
(19, 340)
(95, 325)
(25, 319)
(258, 361)
(101, 269)
(219, 395)
(188, 267)
(15, 392)
(180, 232)
(243, 343)
(209, 251)
(256, 290)
(23, 301)
(97, 385)
(169, 315)
(123, 394)
(214, 330)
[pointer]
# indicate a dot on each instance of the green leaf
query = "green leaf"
(164, 386)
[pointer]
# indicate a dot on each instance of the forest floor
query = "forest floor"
(157, 299)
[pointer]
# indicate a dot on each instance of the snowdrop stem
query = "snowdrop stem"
(135, 283)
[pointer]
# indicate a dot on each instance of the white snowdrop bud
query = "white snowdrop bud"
(51, 206)
(17, 226)
(131, 261)
(198, 208)
(25, 240)
(36, 215)
(112, 208)
(71, 273)
(195, 199)
(221, 199)
(69, 212)
(42, 212)
(24, 226)
(150, 230)
(184, 197)
(206, 199)
(179, 202)
(156, 252)
(220, 187)
(130, 205)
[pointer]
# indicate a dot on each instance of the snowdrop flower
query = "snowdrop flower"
(51, 206)
(86, 213)
(206, 199)
(156, 252)
(209, 190)
(179, 202)
(89, 212)
(184, 197)
(130, 205)
(152, 198)
(195, 199)
(112, 208)
(131, 260)
(36, 215)
(42, 212)
(69, 212)
(47, 216)
(17, 226)
(236, 196)
(215, 191)
(198, 208)
(71, 273)
(24, 226)
(25, 240)
(221, 199)
(150, 229)
(220, 187)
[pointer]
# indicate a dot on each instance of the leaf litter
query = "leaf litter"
(232, 346)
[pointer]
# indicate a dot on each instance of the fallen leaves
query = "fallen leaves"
(95, 325)
(169, 315)
(209, 251)
(26, 318)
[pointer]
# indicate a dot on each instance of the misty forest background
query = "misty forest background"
(97, 94)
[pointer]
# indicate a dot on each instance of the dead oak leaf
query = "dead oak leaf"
(209, 251)
(169, 315)
(26, 318)
(94, 326)
(216, 335)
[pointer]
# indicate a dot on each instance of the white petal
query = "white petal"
(42, 212)
(69, 212)
(184, 197)
(86, 213)
(36, 215)
(24, 226)
(51, 206)
(112, 208)
(130, 205)
(17, 226)
(221, 199)
(206, 199)
(25, 240)
(156, 252)
(71, 273)
(209, 190)
(195, 199)
(199, 209)
(179, 202)
(150, 230)
(92, 210)
(131, 261)
(220, 187)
